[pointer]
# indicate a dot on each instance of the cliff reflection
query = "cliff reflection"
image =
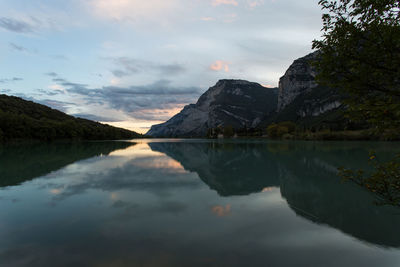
(306, 175)
(230, 169)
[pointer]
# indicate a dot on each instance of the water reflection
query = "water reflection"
(228, 168)
(22, 162)
(307, 177)
(271, 204)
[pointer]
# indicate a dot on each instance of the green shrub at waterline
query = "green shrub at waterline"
(279, 130)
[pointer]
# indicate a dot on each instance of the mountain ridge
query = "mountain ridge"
(234, 103)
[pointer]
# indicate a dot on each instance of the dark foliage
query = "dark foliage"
(21, 119)
(384, 180)
(360, 53)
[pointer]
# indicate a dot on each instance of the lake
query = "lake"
(192, 203)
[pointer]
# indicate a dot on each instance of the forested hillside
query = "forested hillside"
(21, 119)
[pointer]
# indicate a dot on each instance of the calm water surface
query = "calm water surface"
(192, 203)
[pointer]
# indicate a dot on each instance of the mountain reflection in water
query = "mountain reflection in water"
(306, 175)
(149, 203)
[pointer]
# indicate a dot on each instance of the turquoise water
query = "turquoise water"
(192, 203)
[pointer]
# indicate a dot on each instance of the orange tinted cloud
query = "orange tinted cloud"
(164, 163)
(267, 85)
(267, 189)
(55, 191)
(221, 211)
(220, 65)
(224, 2)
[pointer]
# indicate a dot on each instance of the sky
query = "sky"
(135, 63)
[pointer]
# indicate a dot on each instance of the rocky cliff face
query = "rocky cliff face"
(243, 104)
(298, 79)
(301, 95)
(236, 103)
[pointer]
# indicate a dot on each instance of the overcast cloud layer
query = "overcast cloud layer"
(134, 63)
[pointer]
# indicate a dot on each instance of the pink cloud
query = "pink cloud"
(267, 85)
(221, 211)
(220, 65)
(224, 2)
(228, 18)
(133, 10)
(255, 3)
(207, 19)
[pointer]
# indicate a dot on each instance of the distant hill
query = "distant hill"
(21, 119)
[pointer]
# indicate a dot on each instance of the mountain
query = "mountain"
(22, 119)
(247, 105)
(235, 103)
(302, 100)
(298, 79)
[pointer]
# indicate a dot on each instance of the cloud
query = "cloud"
(127, 66)
(51, 74)
(135, 210)
(224, 2)
(229, 18)
(268, 86)
(56, 104)
(156, 101)
(255, 3)
(14, 79)
(136, 11)
(226, 18)
(221, 211)
(41, 20)
(170, 69)
(18, 48)
(59, 57)
(65, 83)
(120, 73)
(117, 178)
(59, 105)
(14, 25)
(56, 87)
(220, 65)
(94, 117)
(50, 92)
(158, 114)
(207, 19)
